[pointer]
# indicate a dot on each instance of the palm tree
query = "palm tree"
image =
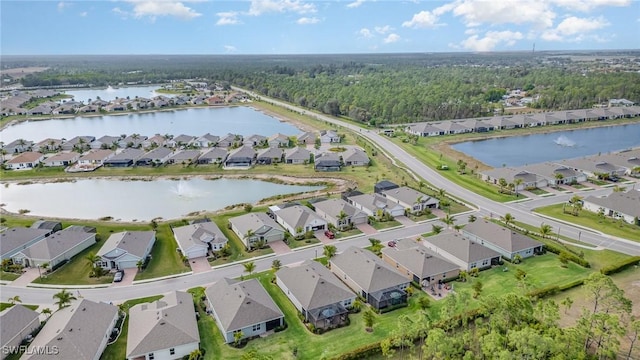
(276, 265)
(442, 193)
(517, 183)
(503, 183)
(92, 258)
(449, 220)
(545, 230)
(508, 218)
(329, 251)
(14, 300)
(576, 204)
(237, 336)
(249, 267)
(618, 188)
(47, 312)
(341, 216)
(436, 229)
(63, 298)
(559, 177)
(247, 238)
(195, 354)
(472, 218)
(369, 319)
(45, 266)
(140, 264)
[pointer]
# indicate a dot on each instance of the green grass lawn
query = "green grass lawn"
(379, 225)
(238, 251)
(118, 350)
(4, 305)
(294, 243)
(591, 220)
(347, 233)
(76, 271)
(538, 191)
(165, 260)
(8, 276)
(422, 217)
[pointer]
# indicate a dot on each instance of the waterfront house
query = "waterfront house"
(43, 109)
(47, 145)
(462, 251)
(78, 331)
(254, 227)
(255, 140)
(17, 146)
(509, 174)
(156, 140)
(96, 157)
(184, 157)
(297, 155)
(18, 323)
(424, 129)
(329, 136)
(419, 264)
(132, 141)
(368, 276)
(279, 140)
(25, 161)
(411, 199)
(556, 174)
(376, 205)
(164, 329)
(593, 167)
(181, 141)
(230, 140)
(14, 240)
(157, 156)
(196, 240)
(213, 156)
(321, 298)
(298, 219)
(328, 161)
(78, 143)
(618, 205)
(242, 307)
(56, 249)
(125, 158)
(505, 241)
(270, 155)
(206, 141)
(355, 157)
(340, 213)
(105, 142)
(307, 138)
(243, 156)
(61, 159)
(125, 249)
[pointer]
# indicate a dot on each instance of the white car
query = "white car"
(118, 276)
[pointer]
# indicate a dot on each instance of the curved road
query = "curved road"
(118, 294)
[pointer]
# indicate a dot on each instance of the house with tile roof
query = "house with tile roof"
(196, 240)
(164, 329)
(242, 307)
(505, 241)
(321, 298)
(123, 250)
(78, 331)
(254, 227)
(368, 276)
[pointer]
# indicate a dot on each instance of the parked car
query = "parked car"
(391, 243)
(118, 276)
(329, 234)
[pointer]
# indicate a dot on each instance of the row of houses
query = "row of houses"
(180, 141)
(623, 205)
(485, 124)
(568, 171)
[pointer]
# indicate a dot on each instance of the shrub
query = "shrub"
(362, 352)
(614, 268)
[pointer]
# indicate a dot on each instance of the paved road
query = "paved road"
(486, 206)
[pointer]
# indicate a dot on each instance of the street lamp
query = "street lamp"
(39, 273)
(558, 237)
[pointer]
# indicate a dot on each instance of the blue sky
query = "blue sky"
(312, 27)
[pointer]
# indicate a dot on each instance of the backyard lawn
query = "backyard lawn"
(591, 220)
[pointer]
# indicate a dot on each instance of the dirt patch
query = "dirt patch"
(282, 118)
(449, 152)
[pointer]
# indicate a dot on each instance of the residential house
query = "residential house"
(627, 159)
(624, 205)
(157, 156)
(181, 141)
(164, 329)
(255, 140)
(411, 199)
(206, 141)
(556, 174)
(462, 251)
(230, 140)
(379, 284)
(76, 143)
(321, 298)
(419, 264)
(424, 129)
(297, 155)
(329, 136)
(42, 109)
(48, 145)
(56, 249)
(105, 142)
(155, 141)
(50, 225)
(298, 219)
(270, 155)
(17, 146)
(88, 109)
(196, 240)
(184, 157)
(328, 161)
(96, 157)
(592, 167)
(78, 331)
(215, 100)
(528, 179)
(69, 107)
(18, 323)
(25, 161)
(61, 159)
(383, 185)
(340, 213)
(376, 205)
(453, 127)
(132, 141)
(355, 157)
(242, 307)
(620, 102)
(14, 240)
(307, 138)
(279, 140)
(254, 227)
(125, 158)
(243, 156)
(213, 156)
(506, 242)
(125, 249)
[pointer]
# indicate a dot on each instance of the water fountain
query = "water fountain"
(184, 190)
(565, 141)
(110, 89)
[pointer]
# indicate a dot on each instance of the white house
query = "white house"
(123, 250)
(26, 160)
(298, 219)
(56, 248)
(625, 205)
(195, 240)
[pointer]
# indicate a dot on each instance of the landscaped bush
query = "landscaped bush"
(362, 352)
(542, 292)
(614, 268)
(571, 256)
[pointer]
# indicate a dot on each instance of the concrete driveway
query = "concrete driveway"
(279, 247)
(27, 277)
(405, 220)
(323, 238)
(129, 275)
(199, 264)
(367, 229)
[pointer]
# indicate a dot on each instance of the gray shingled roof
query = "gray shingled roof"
(56, 244)
(239, 304)
(355, 155)
(15, 238)
(14, 320)
(185, 155)
(214, 154)
(627, 202)
(420, 260)
(297, 216)
(271, 153)
(333, 207)
(166, 323)
(409, 195)
(199, 234)
(297, 153)
(460, 247)
(502, 237)
(259, 223)
(367, 270)
(77, 331)
(132, 242)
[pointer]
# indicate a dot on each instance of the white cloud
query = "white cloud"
(83, 14)
(307, 21)
(478, 12)
(423, 19)
(230, 49)
(574, 29)
(391, 38)
(365, 33)
(123, 14)
(153, 9)
(355, 4)
(62, 5)
(383, 29)
(588, 5)
(259, 7)
(228, 18)
(490, 40)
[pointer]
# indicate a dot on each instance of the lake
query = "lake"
(241, 120)
(109, 93)
(538, 148)
(138, 200)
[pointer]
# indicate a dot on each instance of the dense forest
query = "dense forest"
(375, 88)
